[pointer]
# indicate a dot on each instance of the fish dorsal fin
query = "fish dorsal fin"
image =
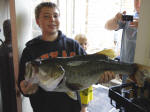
(76, 63)
(108, 52)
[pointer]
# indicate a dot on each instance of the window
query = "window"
(89, 17)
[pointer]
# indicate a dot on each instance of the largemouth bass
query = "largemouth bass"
(79, 72)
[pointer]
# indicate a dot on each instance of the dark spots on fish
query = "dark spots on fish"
(74, 86)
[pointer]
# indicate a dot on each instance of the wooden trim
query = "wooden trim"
(15, 49)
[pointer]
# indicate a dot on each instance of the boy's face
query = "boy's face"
(48, 20)
(83, 43)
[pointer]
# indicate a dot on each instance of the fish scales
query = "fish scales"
(88, 73)
(79, 72)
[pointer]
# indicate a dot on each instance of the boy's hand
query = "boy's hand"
(106, 77)
(28, 88)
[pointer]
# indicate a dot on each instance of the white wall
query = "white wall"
(4, 14)
(24, 22)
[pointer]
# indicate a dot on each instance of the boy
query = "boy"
(82, 40)
(52, 43)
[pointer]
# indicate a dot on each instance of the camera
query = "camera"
(127, 18)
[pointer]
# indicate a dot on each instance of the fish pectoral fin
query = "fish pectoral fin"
(72, 95)
(76, 63)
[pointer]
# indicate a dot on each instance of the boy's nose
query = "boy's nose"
(84, 47)
(51, 18)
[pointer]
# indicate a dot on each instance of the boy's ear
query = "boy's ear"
(37, 22)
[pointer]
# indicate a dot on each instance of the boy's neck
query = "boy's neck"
(50, 37)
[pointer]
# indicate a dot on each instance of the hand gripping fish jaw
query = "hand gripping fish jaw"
(47, 77)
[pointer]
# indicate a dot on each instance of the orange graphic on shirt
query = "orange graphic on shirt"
(54, 54)
(72, 53)
(64, 54)
(44, 56)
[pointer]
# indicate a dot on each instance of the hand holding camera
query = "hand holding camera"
(133, 21)
(127, 18)
(124, 17)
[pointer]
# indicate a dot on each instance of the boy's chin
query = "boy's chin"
(53, 32)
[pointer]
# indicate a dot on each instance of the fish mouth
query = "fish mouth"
(28, 70)
(31, 70)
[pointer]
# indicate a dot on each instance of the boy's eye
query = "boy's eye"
(55, 16)
(46, 16)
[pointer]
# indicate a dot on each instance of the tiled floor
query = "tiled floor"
(101, 101)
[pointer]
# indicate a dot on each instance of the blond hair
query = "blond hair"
(80, 37)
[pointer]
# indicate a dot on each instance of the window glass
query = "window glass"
(89, 17)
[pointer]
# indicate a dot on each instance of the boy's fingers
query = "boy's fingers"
(28, 88)
(107, 76)
(111, 75)
(23, 84)
(101, 78)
